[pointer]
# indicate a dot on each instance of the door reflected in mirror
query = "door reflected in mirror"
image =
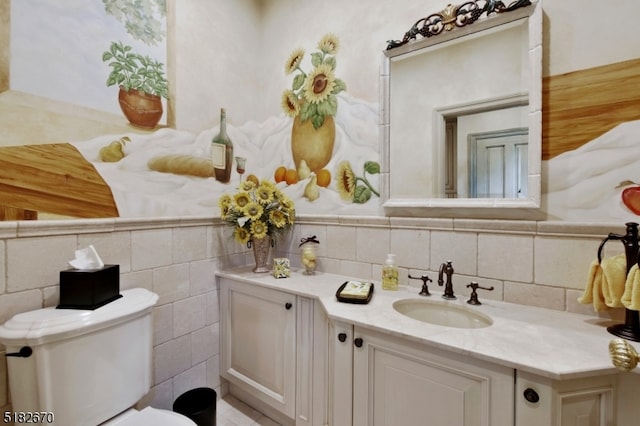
(498, 164)
(486, 155)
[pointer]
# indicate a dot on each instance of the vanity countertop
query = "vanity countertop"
(554, 344)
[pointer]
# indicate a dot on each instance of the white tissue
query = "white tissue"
(87, 258)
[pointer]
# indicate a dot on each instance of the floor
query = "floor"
(233, 412)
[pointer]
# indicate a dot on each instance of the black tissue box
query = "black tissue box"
(89, 288)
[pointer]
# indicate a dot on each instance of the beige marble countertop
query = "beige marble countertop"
(553, 344)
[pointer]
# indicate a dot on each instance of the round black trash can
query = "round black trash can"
(199, 405)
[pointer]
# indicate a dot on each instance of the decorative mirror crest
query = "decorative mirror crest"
(455, 16)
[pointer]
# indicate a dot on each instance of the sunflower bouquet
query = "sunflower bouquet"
(257, 210)
(313, 95)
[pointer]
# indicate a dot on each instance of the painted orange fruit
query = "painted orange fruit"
(291, 176)
(323, 177)
(278, 175)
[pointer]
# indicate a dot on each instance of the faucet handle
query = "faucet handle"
(425, 287)
(473, 299)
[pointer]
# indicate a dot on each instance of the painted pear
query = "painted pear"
(312, 191)
(303, 170)
(114, 151)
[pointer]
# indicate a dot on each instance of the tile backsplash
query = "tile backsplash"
(534, 263)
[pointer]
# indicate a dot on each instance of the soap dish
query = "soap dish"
(359, 292)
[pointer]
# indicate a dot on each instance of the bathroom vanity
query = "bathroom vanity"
(291, 350)
(273, 350)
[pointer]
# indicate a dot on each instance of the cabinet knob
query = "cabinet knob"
(342, 337)
(531, 395)
(288, 306)
(358, 342)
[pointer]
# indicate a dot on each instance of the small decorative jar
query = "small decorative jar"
(308, 255)
(281, 267)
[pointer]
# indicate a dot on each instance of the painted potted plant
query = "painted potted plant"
(312, 103)
(142, 84)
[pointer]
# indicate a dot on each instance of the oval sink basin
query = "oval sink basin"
(441, 313)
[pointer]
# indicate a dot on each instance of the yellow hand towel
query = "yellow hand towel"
(606, 283)
(614, 276)
(631, 296)
(593, 290)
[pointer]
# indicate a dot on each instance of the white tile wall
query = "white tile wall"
(114, 246)
(176, 261)
(535, 263)
(30, 260)
(151, 248)
(506, 256)
(459, 247)
(411, 247)
(171, 282)
(555, 257)
(172, 358)
(338, 243)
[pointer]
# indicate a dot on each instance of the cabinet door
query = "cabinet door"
(584, 402)
(258, 353)
(341, 373)
(396, 382)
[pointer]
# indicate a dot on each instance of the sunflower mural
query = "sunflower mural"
(313, 95)
(312, 102)
(355, 188)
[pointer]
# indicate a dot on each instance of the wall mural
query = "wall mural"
(323, 152)
(603, 182)
(186, 186)
(591, 128)
(312, 102)
(311, 152)
(109, 174)
(51, 95)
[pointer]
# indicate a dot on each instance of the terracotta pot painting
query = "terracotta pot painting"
(141, 109)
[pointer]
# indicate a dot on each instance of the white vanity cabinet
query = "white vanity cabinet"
(379, 379)
(585, 402)
(396, 381)
(288, 349)
(267, 341)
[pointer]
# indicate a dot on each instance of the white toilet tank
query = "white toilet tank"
(86, 366)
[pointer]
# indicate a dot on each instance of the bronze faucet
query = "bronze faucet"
(446, 268)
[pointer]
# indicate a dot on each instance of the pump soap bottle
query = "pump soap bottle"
(390, 273)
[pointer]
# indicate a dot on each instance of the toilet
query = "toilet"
(86, 367)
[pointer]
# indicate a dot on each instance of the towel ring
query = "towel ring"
(631, 241)
(611, 236)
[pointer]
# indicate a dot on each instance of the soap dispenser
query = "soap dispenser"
(390, 273)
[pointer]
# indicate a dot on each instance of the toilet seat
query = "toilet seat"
(149, 416)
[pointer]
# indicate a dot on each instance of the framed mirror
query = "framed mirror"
(461, 114)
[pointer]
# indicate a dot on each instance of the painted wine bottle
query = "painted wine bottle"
(222, 151)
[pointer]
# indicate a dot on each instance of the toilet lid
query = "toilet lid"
(50, 324)
(149, 417)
